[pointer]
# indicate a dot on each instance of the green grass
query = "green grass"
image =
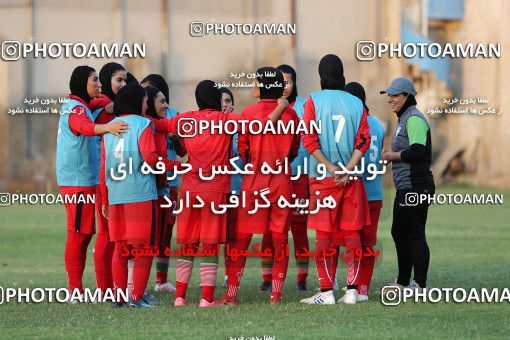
(469, 248)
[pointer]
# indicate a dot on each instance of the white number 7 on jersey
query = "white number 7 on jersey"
(340, 127)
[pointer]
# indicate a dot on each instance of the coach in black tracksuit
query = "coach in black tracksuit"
(411, 154)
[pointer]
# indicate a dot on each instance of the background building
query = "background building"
(468, 148)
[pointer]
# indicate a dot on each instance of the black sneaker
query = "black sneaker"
(265, 287)
(301, 286)
(118, 304)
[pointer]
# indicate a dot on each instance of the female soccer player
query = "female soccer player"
(375, 195)
(227, 105)
(301, 188)
(129, 192)
(77, 165)
(344, 139)
(157, 109)
(258, 149)
(174, 148)
(113, 78)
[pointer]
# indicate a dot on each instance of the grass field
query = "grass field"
(469, 248)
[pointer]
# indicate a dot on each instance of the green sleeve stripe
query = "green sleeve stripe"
(417, 130)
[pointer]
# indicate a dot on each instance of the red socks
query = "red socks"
(184, 268)
(279, 269)
(300, 237)
(103, 254)
(119, 265)
(209, 271)
(352, 243)
(141, 273)
(162, 269)
(267, 261)
(280, 262)
(237, 263)
(141, 270)
(75, 258)
(366, 271)
(162, 261)
(325, 263)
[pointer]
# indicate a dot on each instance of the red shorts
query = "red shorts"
(231, 223)
(174, 198)
(351, 211)
(134, 222)
(196, 225)
(301, 189)
(263, 220)
(368, 234)
(80, 216)
(162, 222)
(102, 222)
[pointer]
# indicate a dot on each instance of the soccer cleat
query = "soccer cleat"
(265, 287)
(301, 286)
(118, 304)
(275, 300)
(73, 301)
(204, 303)
(350, 297)
(142, 303)
(179, 302)
(227, 301)
(321, 298)
(166, 287)
(362, 298)
(151, 299)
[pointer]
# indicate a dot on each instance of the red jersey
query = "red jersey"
(207, 150)
(101, 102)
(161, 150)
(269, 148)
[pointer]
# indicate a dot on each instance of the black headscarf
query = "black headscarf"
(226, 90)
(270, 76)
(105, 76)
(131, 78)
(288, 69)
(152, 92)
(208, 96)
(331, 72)
(410, 101)
(78, 82)
(357, 90)
(158, 82)
(129, 100)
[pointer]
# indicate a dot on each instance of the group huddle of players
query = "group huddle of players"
(111, 120)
